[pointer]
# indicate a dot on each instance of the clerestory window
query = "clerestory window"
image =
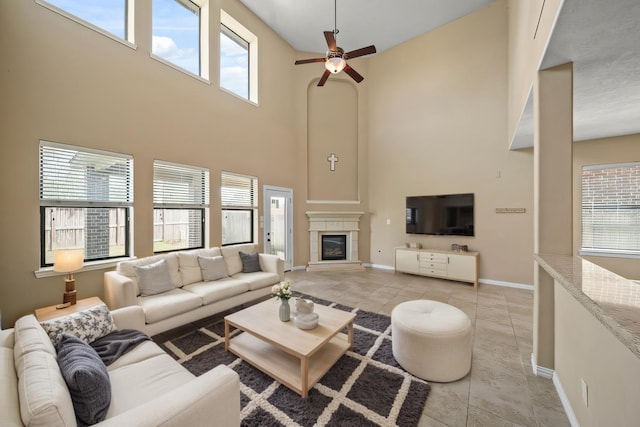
(109, 17)
(180, 35)
(238, 59)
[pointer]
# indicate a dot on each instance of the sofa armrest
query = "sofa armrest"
(210, 399)
(119, 290)
(131, 317)
(7, 338)
(272, 264)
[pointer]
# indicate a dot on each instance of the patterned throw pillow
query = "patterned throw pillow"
(213, 268)
(153, 278)
(88, 325)
(250, 262)
(87, 379)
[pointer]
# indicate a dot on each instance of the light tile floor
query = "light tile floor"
(501, 389)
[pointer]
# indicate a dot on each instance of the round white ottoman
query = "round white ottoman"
(431, 340)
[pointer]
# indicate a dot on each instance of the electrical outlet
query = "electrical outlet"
(585, 393)
(388, 221)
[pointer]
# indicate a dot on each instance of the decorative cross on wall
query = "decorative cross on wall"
(332, 159)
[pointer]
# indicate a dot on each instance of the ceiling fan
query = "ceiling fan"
(336, 58)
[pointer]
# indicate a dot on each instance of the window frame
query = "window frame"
(203, 43)
(251, 39)
(610, 251)
(47, 199)
(201, 205)
(251, 208)
(129, 24)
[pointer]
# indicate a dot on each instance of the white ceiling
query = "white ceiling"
(601, 38)
(382, 23)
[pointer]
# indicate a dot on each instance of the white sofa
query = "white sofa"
(191, 298)
(148, 387)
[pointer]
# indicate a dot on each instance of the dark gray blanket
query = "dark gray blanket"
(111, 346)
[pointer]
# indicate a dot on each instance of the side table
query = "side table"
(51, 312)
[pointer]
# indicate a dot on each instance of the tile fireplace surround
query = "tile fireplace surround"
(334, 223)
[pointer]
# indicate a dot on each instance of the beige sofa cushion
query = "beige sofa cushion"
(44, 397)
(232, 257)
(188, 262)
(135, 384)
(218, 289)
(143, 351)
(126, 268)
(9, 404)
(168, 304)
(258, 280)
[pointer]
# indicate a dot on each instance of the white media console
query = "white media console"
(461, 266)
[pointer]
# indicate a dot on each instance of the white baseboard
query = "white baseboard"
(565, 401)
(299, 267)
(551, 374)
(506, 284)
(540, 371)
(380, 266)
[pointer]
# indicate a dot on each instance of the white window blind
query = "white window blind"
(611, 209)
(238, 191)
(72, 175)
(176, 185)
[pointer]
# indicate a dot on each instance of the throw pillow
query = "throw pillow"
(87, 379)
(88, 325)
(250, 262)
(153, 278)
(213, 268)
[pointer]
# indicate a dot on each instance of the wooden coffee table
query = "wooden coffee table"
(294, 357)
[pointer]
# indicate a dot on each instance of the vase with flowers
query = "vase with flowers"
(283, 292)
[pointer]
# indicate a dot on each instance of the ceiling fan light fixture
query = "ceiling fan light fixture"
(335, 64)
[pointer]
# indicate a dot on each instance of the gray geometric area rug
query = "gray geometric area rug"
(366, 386)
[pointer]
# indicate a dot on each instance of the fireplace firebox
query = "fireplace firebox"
(334, 247)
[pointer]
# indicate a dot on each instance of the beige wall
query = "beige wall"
(63, 82)
(586, 350)
(347, 189)
(531, 23)
(619, 149)
(438, 120)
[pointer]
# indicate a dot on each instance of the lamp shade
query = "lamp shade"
(68, 260)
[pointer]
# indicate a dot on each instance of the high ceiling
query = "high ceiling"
(601, 38)
(382, 23)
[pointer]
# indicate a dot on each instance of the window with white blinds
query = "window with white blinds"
(239, 200)
(611, 209)
(180, 201)
(176, 185)
(85, 200)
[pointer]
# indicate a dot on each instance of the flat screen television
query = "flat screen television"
(441, 215)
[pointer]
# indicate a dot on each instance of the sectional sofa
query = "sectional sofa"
(192, 284)
(148, 387)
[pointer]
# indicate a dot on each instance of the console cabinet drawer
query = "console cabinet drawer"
(442, 264)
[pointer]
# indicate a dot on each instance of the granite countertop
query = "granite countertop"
(612, 299)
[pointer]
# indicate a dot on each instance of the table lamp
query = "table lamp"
(68, 261)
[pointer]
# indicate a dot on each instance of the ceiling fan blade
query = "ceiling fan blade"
(361, 52)
(331, 40)
(309, 61)
(353, 73)
(324, 78)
